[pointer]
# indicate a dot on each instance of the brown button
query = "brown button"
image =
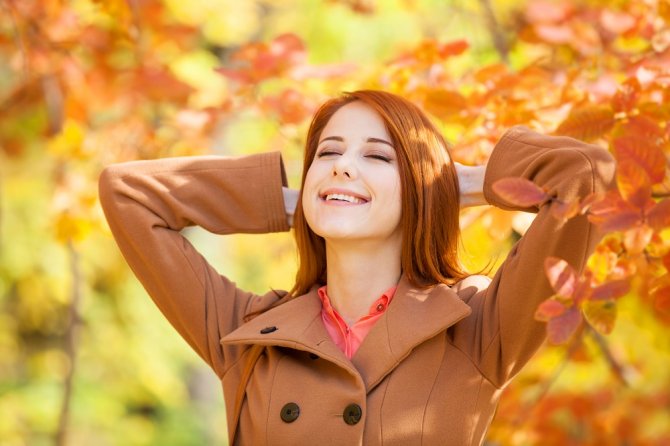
(290, 412)
(267, 330)
(352, 414)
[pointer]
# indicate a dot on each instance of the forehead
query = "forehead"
(354, 120)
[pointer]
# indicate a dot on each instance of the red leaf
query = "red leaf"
(662, 300)
(561, 328)
(588, 122)
(611, 290)
(612, 213)
(642, 152)
(454, 48)
(634, 185)
(520, 192)
(659, 216)
(561, 275)
(549, 309)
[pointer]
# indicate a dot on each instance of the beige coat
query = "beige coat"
(431, 370)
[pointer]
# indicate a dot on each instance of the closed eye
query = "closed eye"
(379, 157)
(326, 152)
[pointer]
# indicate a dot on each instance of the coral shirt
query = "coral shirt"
(349, 338)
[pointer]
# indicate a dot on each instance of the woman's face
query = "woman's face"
(352, 188)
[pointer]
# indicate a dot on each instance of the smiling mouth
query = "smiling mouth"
(343, 198)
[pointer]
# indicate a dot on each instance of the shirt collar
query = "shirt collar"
(384, 300)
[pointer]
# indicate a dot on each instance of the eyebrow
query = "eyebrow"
(339, 138)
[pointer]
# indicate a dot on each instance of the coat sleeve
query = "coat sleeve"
(148, 203)
(501, 334)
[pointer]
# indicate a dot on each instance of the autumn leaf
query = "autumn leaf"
(563, 211)
(662, 300)
(626, 96)
(642, 152)
(601, 315)
(549, 309)
(634, 186)
(612, 213)
(290, 105)
(610, 290)
(562, 327)
(637, 238)
(520, 192)
(561, 275)
(587, 122)
(445, 103)
(659, 215)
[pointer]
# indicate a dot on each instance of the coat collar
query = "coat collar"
(414, 316)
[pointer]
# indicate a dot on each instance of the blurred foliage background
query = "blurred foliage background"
(85, 357)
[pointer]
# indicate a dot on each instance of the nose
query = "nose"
(345, 166)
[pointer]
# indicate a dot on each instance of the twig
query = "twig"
(622, 372)
(546, 385)
(70, 344)
(499, 40)
(18, 37)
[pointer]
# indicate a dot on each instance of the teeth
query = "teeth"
(343, 197)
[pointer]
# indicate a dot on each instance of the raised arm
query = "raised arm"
(501, 334)
(148, 203)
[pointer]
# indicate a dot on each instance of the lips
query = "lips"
(343, 196)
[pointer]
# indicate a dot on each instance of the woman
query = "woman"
(383, 339)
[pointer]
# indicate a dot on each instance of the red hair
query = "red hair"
(430, 195)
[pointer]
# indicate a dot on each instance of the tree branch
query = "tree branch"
(546, 385)
(499, 40)
(70, 343)
(18, 37)
(622, 372)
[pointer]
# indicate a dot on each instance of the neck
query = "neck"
(358, 274)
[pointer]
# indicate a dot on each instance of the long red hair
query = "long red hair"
(430, 194)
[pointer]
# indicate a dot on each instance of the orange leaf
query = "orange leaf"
(601, 315)
(561, 328)
(642, 152)
(610, 290)
(637, 238)
(564, 211)
(588, 122)
(549, 309)
(626, 97)
(291, 106)
(659, 216)
(561, 275)
(454, 48)
(519, 192)
(646, 124)
(444, 103)
(662, 300)
(634, 186)
(613, 214)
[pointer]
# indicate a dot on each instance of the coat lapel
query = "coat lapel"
(298, 325)
(414, 316)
